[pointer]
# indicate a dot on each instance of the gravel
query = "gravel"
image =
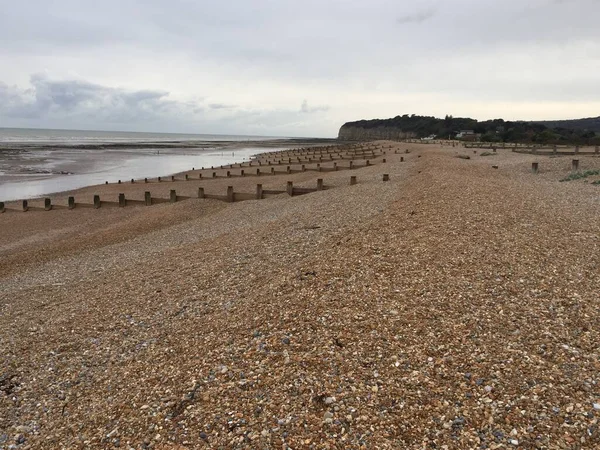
(455, 306)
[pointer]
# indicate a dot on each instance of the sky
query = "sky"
(293, 68)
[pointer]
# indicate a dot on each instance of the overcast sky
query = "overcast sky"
(292, 68)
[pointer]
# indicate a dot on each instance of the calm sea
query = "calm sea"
(35, 162)
(74, 137)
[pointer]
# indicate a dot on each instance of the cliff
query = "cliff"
(351, 132)
(581, 131)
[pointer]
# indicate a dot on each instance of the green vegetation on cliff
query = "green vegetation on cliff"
(497, 130)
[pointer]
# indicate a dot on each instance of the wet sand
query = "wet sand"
(29, 170)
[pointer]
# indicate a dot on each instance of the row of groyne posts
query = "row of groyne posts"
(535, 166)
(302, 156)
(537, 149)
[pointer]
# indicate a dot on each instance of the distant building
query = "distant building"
(431, 137)
(464, 133)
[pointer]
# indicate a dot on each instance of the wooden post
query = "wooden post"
(368, 163)
(259, 191)
(148, 198)
(289, 169)
(47, 204)
(272, 170)
(402, 159)
(159, 179)
(303, 168)
(290, 188)
(534, 167)
(25, 207)
(119, 181)
(575, 164)
(2, 209)
(71, 202)
(352, 180)
(214, 175)
(351, 164)
(554, 149)
(318, 167)
(172, 177)
(335, 167)
(122, 201)
(384, 161)
(145, 180)
(228, 174)
(230, 194)
(258, 172)
(577, 149)
(319, 184)
(132, 181)
(187, 177)
(172, 196)
(97, 202)
(242, 172)
(200, 192)
(386, 177)
(199, 176)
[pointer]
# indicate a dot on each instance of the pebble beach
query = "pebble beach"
(456, 306)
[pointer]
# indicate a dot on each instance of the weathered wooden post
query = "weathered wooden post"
(228, 174)
(335, 166)
(272, 170)
(318, 167)
(384, 161)
(148, 198)
(290, 188)
(71, 202)
(352, 180)
(214, 174)
(187, 177)
(97, 203)
(303, 168)
(119, 181)
(122, 201)
(534, 167)
(172, 196)
(47, 204)
(319, 184)
(172, 177)
(199, 176)
(288, 169)
(2, 208)
(386, 177)
(258, 172)
(242, 173)
(259, 191)
(230, 194)
(132, 181)
(575, 164)
(159, 179)
(25, 206)
(351, 164)
(145, 180)
(200, 192)
(402, 159)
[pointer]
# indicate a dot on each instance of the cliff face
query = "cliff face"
(352, 132)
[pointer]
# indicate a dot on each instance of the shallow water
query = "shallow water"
(27, 175)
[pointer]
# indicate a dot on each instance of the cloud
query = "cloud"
(82, 104)
(304, 108)
(417, 18)
(220, 106)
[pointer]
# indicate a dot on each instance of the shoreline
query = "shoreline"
(141, 164)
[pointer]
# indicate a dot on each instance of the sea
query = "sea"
(37, 162)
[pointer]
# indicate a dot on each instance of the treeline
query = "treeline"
(497, 130)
